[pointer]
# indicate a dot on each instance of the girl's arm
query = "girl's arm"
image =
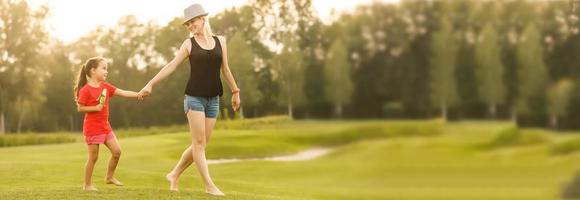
(181, 54)
(125, 93)
(228, 74)
(83, 108)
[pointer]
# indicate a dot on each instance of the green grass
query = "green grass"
(371, 160)
(22, 139)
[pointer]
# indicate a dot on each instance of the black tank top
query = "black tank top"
(204, 76)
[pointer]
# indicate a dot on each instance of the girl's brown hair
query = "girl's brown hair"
(84, 72)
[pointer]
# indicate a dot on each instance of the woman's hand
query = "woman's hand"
(236, 101)
(146, 91)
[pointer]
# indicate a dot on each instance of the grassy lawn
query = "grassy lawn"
(371, 160)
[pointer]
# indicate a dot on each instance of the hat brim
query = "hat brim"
(204, 14)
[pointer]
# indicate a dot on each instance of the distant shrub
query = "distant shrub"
(511, 136)
(37, 139)
(566, 147)
(252, 122)
(379, 130)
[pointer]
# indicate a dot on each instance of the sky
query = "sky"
(70, 19)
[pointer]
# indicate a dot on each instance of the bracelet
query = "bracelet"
(236, 91)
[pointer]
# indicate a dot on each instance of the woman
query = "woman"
(207, 55)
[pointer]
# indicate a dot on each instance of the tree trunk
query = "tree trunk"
(126, 118)
(20, 115)
(514, 116)
(492, 111)
(338, 110)
(290, 111)
(444, 111)
(72, 123)
(241, 112)
(2, 124)
(554, 121)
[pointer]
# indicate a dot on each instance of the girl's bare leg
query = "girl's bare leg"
(93, 150)
(115, 149)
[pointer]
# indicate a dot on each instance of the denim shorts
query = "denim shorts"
(209, 105)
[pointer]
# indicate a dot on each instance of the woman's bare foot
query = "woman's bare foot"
(172, 182)
(113, 181)
(214, 191)
(89, 188)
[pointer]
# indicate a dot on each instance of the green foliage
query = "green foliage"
(512, 136)
(566, 147)
(559, 96)
(531, 69)
(442, 64)
(338, 83)
(489, 69)
(11, 140)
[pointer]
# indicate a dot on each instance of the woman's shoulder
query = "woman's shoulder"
(187, 43)
(222, 39)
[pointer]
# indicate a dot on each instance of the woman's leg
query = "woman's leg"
(187, 157)
(115, 149)
(209, 124)
(93, 150)
(196, 121)
(184, 162)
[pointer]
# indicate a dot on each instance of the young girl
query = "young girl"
(92, 95)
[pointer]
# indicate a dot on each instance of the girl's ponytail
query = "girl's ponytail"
(84, 72)
(80, 82)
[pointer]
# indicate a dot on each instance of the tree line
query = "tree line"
(463, 59)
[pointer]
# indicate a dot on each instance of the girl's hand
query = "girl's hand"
(236, 101)
(99, 107)
(146, 91)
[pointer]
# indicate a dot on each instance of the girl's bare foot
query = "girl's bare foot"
(172, 182)
(89, 188)
(113, 181)
(214, 191)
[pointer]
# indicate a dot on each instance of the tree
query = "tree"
(242, 66)
(60, 104)
(20, 69)
(558, 96)
(531, 70)
(338, 83)
(442, 64)
(289, 72)
(284, 24)
(489, 70)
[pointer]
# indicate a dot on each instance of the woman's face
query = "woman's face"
(195, 25)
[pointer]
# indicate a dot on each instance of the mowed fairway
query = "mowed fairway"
(370, 160)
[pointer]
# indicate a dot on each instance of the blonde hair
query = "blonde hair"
(206, 29)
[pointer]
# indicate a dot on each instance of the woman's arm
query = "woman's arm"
(169, 68)
(228, 74)
(125, 93)
(83, 108)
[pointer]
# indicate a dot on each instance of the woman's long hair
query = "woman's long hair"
(206, 27)
(84, 72)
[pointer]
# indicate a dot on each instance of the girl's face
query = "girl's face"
(100, 72)
(194, 25)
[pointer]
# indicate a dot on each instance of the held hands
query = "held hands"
(146, 91)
